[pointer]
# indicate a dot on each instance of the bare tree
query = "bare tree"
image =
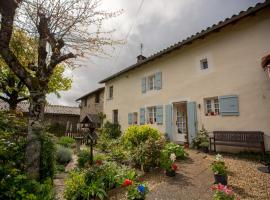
(64, 29)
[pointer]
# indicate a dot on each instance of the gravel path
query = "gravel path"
(59, 181)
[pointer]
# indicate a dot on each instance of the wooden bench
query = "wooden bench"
(251, 139)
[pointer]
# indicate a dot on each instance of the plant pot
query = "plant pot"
(222, 179)
(170, 173)
(205, 149)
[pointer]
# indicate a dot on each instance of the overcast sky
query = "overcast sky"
(158, 25)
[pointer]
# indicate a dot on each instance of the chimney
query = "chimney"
(140, 58)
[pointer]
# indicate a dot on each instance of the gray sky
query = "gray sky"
(158, 25)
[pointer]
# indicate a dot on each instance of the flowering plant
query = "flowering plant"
(222, 192)
(218, 166)
(168, 161)
(137, 191)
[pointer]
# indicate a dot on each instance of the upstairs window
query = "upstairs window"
(110, 92)
(211, 106)
(97, 98)
(151, 82)
(204, 64)
(85, 102)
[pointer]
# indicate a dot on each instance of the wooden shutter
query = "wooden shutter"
(142, 116)
(192, 121)
(159, 114)
(229, 105)
(144, 85)
(129, 118)
(158, 80)
(168, 121)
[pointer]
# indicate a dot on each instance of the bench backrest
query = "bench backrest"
(239, 136)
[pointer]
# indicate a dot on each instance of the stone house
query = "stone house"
(212, 79)
(92, 103)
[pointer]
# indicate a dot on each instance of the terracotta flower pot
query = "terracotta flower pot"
(222, 179)
(170, 173)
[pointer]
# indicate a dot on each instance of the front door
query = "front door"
(181, 122)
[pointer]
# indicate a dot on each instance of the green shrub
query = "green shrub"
(118, 154)
(77, 189)
(177, 149)
(136, 135)
(66, 141)
(47, 159)
(111, 130)
(202, 139)
(18, 186)
(96, 181)
(63, 155)
(83, 158)
(147, 154)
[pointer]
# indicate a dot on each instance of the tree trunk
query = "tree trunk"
(35, 130)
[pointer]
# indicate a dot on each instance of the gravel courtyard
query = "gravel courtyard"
(195, 178)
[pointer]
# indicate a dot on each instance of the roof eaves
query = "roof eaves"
(198, 35)
(92, 92)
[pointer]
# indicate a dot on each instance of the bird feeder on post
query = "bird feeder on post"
(89, 124)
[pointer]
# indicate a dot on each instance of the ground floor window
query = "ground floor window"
(151, 115)
(135, 118)
(115, 116)
(211, 106)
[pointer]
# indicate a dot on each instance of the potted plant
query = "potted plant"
(168, 163)
(201, 141)
(220, 170)
(222, 192)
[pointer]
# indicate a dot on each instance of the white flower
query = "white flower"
(219, 158)
(172, 157)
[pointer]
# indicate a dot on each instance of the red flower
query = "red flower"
(127, 182)
(99, 162)
(174, 167)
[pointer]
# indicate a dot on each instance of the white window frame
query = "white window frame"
(211, 106)
(151, 115)
(151, 82)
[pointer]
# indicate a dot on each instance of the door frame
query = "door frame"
(174, 119)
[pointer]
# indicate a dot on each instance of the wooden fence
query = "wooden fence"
(77, 136)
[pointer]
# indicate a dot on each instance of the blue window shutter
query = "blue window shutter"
(192, 121)
(129, 118)
(159, 114)
(142, 116)
(144, 85)
(229, 105)
(168, 120)
(158, 80)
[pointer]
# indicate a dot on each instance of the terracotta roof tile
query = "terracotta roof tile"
(49, 109)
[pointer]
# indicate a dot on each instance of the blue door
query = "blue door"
(192, 121)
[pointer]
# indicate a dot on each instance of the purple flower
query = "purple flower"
(141, 188)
